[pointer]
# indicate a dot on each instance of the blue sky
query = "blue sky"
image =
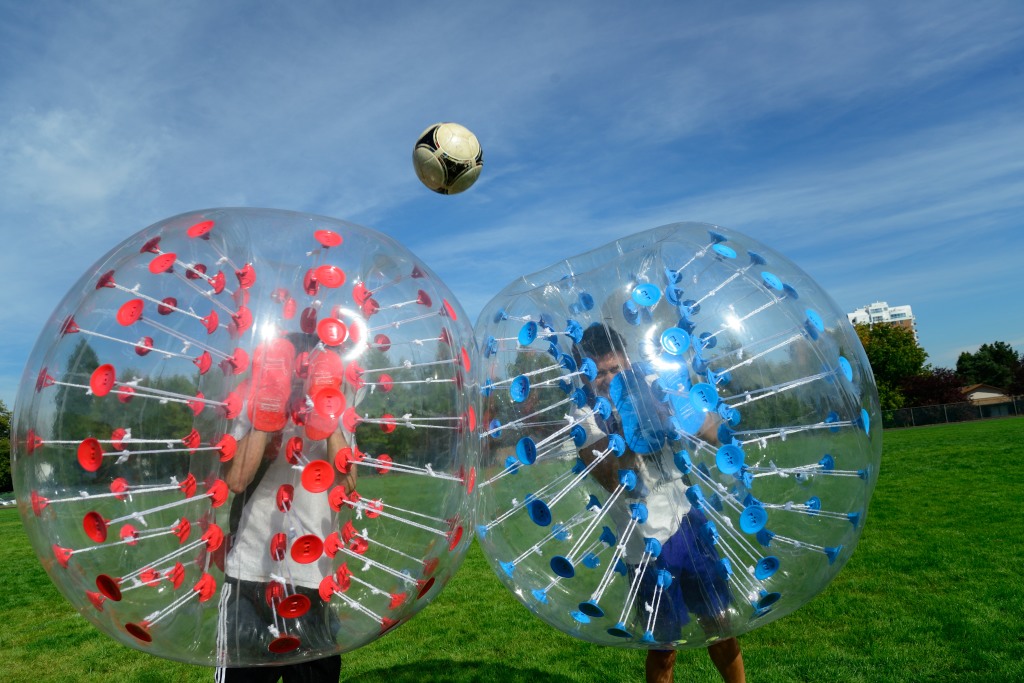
(879, 145)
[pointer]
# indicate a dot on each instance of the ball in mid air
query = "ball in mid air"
(447, 158)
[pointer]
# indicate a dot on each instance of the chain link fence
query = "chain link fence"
(952, 412)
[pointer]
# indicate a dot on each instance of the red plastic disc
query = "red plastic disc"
(307, 320)
(336, 499)
(188, 485)
(284, 644)
(211, 322)
(118, 487)
(69, 326)
(430, 566)
(369, 307)
(327, 588)
(192, 440)
(239, 361)
(318, 476)
(327, 238)
(446, 336)
(200, 229)
(109, 586)
(329, 402)
(246, 276)
(417, 273)
(423, 299)
(331, 331)
(169, 303)
(465, 359)
(348, 530)
(471, 480)
(140, 631)
(105, 280)
(149, 576)
(386, 461)
(386, 383)
(195, 272)
(285, 494)
(218, 493)
(130, 311)
(319, 427)
(382, 342)
(358, 545)
(218, 282)
(425, 588)
(360, 293)
(63, 555)
(176, 575)
(39, 503)
(343, 577)
(448, 310)
(388, 423)
(350, 420)
(242, 319)
(454, 537)
(307, 549)
(330, 276)
(183, 529)
(309, 282)
(227, 446)
(90, 454)
(326, 369)
(293, 450)
(274, 592)
(33, 442)
(97, 599)
(143, 345)
(332, 544)
(203, 361)
(396, 600)
(206, 587)
(231, 406)
(43, 380)
(342, 459)
(162, 263)
(126, 394)
(354, 375)
(374, 508)
(213, 537)
(278, 547)
(288, 308)
(117, 438)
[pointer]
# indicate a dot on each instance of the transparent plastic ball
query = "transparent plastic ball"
(244, 437)
(681, 438)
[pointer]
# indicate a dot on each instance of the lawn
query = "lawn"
(934, 592)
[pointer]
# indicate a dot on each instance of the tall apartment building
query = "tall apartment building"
(882, 312)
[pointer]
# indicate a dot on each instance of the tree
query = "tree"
(934, 386)
(996, 364)
(894, 355)
(6, 483)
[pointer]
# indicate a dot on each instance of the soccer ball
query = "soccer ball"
(447, 158)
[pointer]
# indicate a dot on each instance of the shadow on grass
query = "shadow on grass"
(455, 672)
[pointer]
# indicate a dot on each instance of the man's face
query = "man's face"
(607, 367)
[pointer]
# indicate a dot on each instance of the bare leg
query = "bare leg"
(660, 666)
(727, 658)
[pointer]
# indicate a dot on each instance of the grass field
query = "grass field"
(934, 592)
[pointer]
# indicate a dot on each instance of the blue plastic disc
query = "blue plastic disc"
(490, 347)
(791, 292)
(695, 495)
(704, 397)
(574, 330)
(674, 295)
(664, 578)
(827, 462)
(565, 386)
(682, 461)
(652, 546)
(619, 631)
(563, 567)
(527, 333)
(591, 609)
(607, 537)
(710, 532)
(603, 407)
(724, 251)
(579, 397)
(589, 368)
(647, 294)
(630, 312)
(526, 450)
(771, 281)
(567, 362)
(815, 325)
(540, 595)
(865, 421)
(717, 378)
(767, 600)
(690, 308)
(494, 427)
(764, 537)
(638, 511)
(586, 301)
(729, 459)
(508, 567)
(580, 617)
(617, 444)
(675, 341)
(627, 478)
(724, 568)
(813, 503)
(756, 259)
(539, 512)
(846, 368)
(519, 389)
(590, 561)
(717, 237)
(512, 464)
(765, 567)
(500, 315)
(579, 435)
(707, 340)
(753, 518)
(832, 553)
(560, 532)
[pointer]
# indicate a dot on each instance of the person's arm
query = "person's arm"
(252, 449)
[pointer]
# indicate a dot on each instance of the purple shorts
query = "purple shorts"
(697, 586)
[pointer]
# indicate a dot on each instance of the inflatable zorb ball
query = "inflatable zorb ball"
(244, 436)
(680, 438)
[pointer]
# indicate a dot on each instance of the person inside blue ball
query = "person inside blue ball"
(648, 423)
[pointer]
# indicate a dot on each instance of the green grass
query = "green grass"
(934, 592)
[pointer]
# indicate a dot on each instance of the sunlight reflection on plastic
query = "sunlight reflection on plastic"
(246, 437)
(683, 450)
